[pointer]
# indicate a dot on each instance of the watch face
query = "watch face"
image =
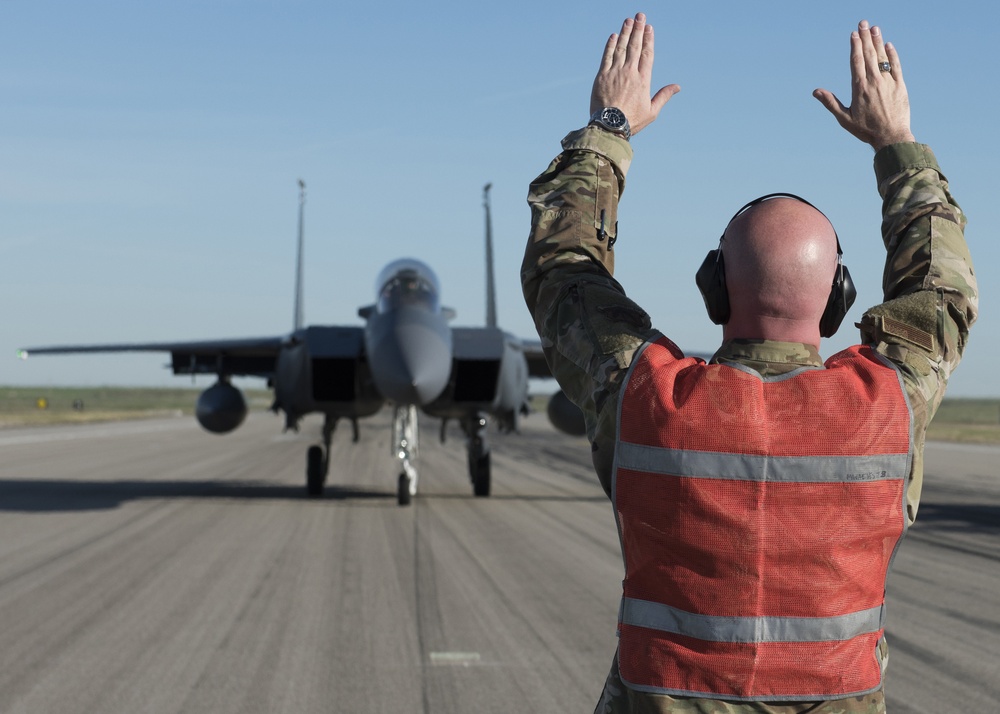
(613, 117)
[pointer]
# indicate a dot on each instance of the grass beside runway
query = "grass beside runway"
(972, 421)
(38, 406)
(969, 421)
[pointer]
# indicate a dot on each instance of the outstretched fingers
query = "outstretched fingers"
(893, 58)
(636, 40)
(619, 56)
(608, 59)
(646, 52)
(868, 50)
(873, 50)
(857, 58)
(616, 49)
(878, 43)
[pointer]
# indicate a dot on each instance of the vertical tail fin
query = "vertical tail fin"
(299, 320)
(491, 291)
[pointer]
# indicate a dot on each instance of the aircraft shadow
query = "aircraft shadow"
(959, 516)
(55, 496)
(52, 496)
(514, 497)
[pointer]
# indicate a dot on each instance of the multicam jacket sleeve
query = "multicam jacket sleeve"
(931, 297)
(589, 329)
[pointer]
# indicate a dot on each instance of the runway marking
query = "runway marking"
(454, 659)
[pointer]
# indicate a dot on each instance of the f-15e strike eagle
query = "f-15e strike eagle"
(405, 355)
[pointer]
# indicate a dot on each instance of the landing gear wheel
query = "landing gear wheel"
(478, 452)
(481, 476)
(315, 471)
(403, 495)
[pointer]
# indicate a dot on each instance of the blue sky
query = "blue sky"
(149, 153)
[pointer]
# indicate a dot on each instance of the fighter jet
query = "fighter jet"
(405, 355)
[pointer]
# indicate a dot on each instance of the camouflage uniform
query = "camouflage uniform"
(590, 330)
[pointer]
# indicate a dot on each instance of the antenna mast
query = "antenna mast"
(491, 294)
(298, 267)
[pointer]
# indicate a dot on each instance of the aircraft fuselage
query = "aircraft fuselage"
(407, 338)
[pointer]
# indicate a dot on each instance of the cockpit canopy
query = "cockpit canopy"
(407, 282)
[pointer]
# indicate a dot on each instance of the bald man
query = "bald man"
(781, 256)
(759, 497)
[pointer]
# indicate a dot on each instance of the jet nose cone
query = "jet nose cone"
(421, 385)
(410, 357)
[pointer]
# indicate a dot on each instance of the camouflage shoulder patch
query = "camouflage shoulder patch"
(910, 319)
(908, 333)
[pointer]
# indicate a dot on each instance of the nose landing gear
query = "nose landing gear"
(406, 434)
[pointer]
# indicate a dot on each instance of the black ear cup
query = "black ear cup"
(842, 296)
(711, 280)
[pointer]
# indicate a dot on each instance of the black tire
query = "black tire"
(481, 478)
(315, 473)
(403, 491)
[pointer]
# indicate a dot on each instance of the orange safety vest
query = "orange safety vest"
(758, 519)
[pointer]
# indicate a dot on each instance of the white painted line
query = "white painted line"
(454, 659)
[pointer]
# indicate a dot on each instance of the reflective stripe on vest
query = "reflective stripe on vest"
(758, 520)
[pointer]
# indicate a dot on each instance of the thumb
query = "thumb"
(663, 96)
(829, 100)
(645, 117)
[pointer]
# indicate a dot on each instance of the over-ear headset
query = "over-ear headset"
(711, 280)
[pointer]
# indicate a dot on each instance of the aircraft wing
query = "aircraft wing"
(253, 356)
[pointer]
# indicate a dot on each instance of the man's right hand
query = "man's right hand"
(880, 107)
(625, 76)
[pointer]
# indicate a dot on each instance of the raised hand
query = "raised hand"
(880, 106)
(625, 75)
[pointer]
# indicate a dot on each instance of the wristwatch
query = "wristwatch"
(612, 119)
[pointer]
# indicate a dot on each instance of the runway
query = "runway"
(152, 567)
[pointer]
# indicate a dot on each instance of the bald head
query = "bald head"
(780, 256)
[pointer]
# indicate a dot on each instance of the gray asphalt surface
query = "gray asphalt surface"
(151, 567)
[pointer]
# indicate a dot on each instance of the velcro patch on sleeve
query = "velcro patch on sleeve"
(909, 333)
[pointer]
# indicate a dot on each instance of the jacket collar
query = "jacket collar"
(766, 356)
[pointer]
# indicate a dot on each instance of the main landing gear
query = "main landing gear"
(317, 465)
(405, 440)
(479, 454)
(318, 457)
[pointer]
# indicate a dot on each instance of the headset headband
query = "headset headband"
(711, 278)
(780, 194)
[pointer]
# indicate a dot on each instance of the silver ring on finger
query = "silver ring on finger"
(884, 67)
